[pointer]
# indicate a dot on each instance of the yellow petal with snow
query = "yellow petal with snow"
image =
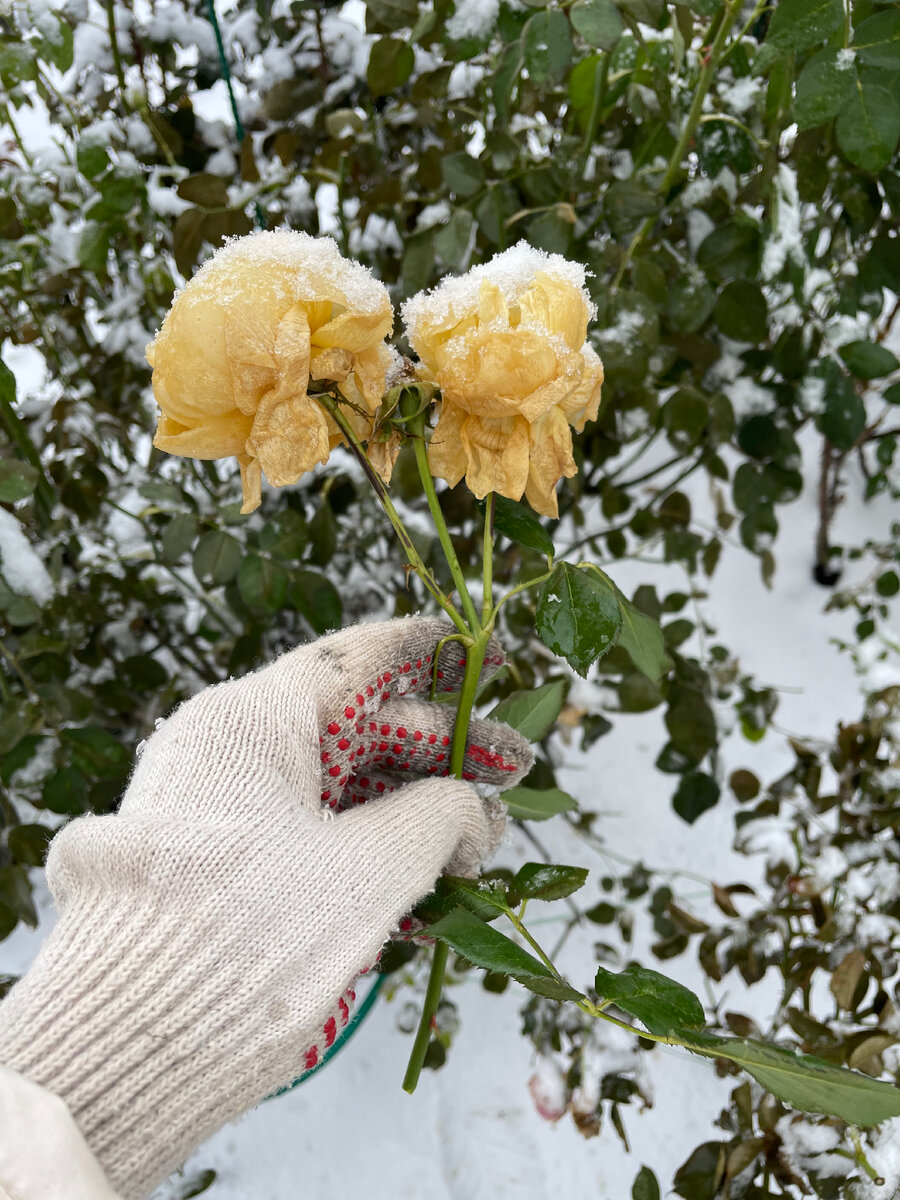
(231, 362)
(492, 304)
(505, 344)
(556, 306)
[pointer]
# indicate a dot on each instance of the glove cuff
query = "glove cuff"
(137, 1015)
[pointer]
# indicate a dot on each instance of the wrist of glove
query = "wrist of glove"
(268, 843)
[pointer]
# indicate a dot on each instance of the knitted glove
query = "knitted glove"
(210, 931)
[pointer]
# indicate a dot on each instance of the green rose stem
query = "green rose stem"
(480, 630)
(475, 631)
(415, 426)
(357, 449)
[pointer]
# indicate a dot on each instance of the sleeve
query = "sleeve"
(42, 1153)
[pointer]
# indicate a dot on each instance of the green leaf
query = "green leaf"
(578, 616)
(486, 947)
(91, 156)
(217, 557)
(689, 303)
(662, 1004)
(533, 804)
(453, 241)
(598, 21)
(317, 600)
(868, 127)
(585, 83)
(486, 898)
(844, 416)
(504, 80)
(194, 1185)
(17, 480)
(391, 63)
(822, 89)
(386, 16)
(732, 249)
(533, 713)
(695, 794)
(642, 637)
(93, 247)
(95, 751)
(759, 436)
(15, 894)
(892, 394)
(57, 41)
(802, 1081)
(519, 524)
(18, 61)
(700, 1176)
(188, 237)
(263, 584)
(691, 722)
(28, 844)
(887, 584)
(685, 416)
(178, 537)
(548, 881)
(65, 792)
(204, 190)
(463, 174)
(868, 360)
(801, 24)
(742, 312)
(877, 40)
(547, 46)
(645, 1186)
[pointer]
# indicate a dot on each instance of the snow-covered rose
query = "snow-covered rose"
(234, 357)
(506, 345)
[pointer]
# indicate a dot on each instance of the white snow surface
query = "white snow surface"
(473, 18)
(19, 564)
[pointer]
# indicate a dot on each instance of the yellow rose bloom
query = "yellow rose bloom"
(506, 345)
(236, 352)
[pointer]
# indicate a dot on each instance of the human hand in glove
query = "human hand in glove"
(275, 831)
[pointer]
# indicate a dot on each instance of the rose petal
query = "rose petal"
(289, 437)
(551, 459)
(497, 453)
(220, 437)
(251, 483)
(446, 457)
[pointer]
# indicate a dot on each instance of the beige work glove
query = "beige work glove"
(210, 931)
